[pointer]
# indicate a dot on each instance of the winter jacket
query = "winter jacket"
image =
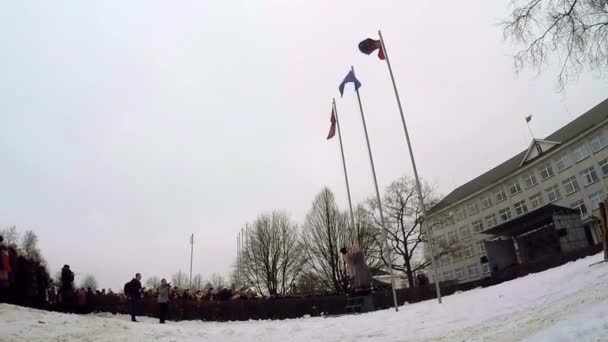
(163, 293)
(134, 289)
(67, 278)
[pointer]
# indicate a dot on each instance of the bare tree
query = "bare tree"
(10, 235)
(217, 281)
(30, 243)
(180, 279)
(153, 282)
(89, 281)
(326, 229)
(272, 257)
(574, 30)
(403, 217)
(197, 282)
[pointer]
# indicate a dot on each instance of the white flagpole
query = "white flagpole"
(418, 187)
(238, 260)
(191, 256)
(350, 203)
(529, 128)
(384, 232)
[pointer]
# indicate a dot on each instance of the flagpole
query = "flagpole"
(191, 256)
(350, 203)
(529, 128)
(238, 259)
(384, 232)
(418, 187)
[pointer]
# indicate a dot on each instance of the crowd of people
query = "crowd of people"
(140, 298)
(25, 281)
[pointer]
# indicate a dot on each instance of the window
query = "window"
(562, 163)
(485, 268)
(580, 206)
(546, 172)
(491, 220)
(452, 236)
(473, 270)
(570, 185)
(460, 273)
(553, 193)
(465, 232)
(501, 195)
(448, 275)
(589, 176)
(480, 246)
(520, 208)
(505, 214)
(598, 143)
(473, 208)
(604, 167)
(514, 188)
(486, 202)
(457, 255)
(530, 181)
(460, 214)
(445, 259)
(596, 199)
(536, 201)
(467, 252)
(477, 226)
(581, 152)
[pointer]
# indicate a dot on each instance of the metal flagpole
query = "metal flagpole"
(418, 188)
(191, 255)
(241, 256)
(529, 128)
(350, 203)
(238, 260)
(384, 233)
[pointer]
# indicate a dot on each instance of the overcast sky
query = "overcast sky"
(125, 126)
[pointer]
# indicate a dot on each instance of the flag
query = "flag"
(332, 128)
(192, 239)
(370, 45)
(349, 78)
(528, 118)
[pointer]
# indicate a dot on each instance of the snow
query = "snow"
(568, 303)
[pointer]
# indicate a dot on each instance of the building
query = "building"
(569, 168)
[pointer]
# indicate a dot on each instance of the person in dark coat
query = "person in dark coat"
(67, 288)
(134, 292)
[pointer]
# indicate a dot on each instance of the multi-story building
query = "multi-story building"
(569, 168)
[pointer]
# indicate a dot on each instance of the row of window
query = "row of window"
(581, 153)
(461, 254)
(461, 273)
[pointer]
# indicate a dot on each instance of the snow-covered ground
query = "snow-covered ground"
(569, 303)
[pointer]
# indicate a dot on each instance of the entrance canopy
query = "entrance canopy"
(530, 221)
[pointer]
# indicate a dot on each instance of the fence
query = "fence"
(285, 308)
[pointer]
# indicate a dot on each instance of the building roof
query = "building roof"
(591, 118)
(530, 220)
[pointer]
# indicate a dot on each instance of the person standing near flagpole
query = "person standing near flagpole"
(351, 78)
(368, 46)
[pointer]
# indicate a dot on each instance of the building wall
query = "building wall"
(461, 220)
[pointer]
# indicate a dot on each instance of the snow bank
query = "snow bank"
(568, 303)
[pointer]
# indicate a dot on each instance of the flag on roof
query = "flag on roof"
(528, 118)
(370, 45)
(332, 128)
(349, 78)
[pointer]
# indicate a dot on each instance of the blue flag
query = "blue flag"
(349, 78)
